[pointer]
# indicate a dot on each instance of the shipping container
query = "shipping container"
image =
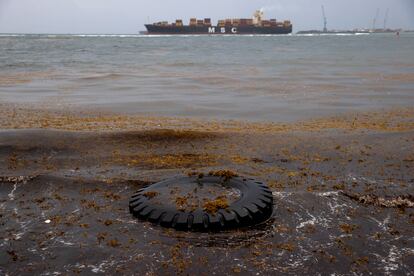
(179, 22)
(266, 23)
(193, 21)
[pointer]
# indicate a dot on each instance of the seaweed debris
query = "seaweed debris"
(226, 174)
(397, 202)
(212, 206)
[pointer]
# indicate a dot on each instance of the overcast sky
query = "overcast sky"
(128, 16)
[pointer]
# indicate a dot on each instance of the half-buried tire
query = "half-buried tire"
(209, 203)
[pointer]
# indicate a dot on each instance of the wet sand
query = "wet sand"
(342, 186)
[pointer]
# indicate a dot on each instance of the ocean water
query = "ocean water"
(259, 78)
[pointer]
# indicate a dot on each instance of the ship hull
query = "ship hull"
(212, 30)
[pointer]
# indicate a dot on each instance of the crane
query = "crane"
(374, 25)
(386, 18)
(325, 21)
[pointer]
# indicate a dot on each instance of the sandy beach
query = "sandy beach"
(342, 188)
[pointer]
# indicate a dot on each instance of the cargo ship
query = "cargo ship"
(255, 25)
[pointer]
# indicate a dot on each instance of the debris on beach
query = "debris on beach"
(396, 202)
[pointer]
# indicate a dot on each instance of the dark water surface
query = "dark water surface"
(72, 217)
(277, 78)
